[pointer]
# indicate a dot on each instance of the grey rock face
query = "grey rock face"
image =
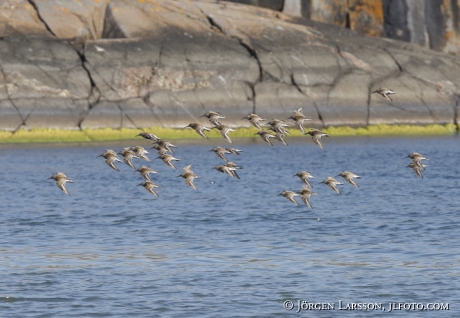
(166, 64)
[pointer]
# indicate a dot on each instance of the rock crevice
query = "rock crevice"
(235, 59)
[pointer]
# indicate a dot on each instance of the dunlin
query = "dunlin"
(145, 172)
(128, 156)
(417, 168)
(316, 135)
(61, 179)
(224, 130)
(234, 151)
(385, 92)
(265, 136)
(348, 176)
(332, 183)
(110, 158)
(280, 137)
(299, 118)
(254, 120)
(290, 196)
(165, 144)
(168, 159)
(213, 117)
(161, 149)
(220, 152)
(278, 125)
(232, 166)
(417, 155)
(150, 136)
(417, 159)
(140, 152)
(150, 187)
(306, 193)
(189, 176)
(227, 170)
(304, 176)
(199, 129)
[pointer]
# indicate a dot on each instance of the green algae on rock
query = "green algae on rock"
(109, 134)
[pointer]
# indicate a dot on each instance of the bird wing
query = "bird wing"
(169, 163)
(221, 155)
(152, 191)
(306, 200)
(317, 140)
(281, 138)
(387, 97)
(224, 133)
(111, 162)
(291, 198)
(201, 133)
(129, 161)
(333, 187)
(61, 184)
(299, 125)
(353, 182)
(189, 181)
(307, 182)
(418, 171)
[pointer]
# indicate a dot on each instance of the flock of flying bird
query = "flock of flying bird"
(166, 151)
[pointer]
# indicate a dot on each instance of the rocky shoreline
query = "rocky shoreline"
(126, 64)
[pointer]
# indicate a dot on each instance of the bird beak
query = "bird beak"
(99, 156)
(49, 178)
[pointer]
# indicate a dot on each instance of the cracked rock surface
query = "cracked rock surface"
(138, 64)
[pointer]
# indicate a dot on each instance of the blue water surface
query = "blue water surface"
(234, 248)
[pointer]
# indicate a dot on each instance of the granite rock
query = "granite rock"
(143, 64)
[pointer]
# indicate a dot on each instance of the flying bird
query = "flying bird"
(199, 129)
(385, 92)
(304, 176)
(168, 159)
(224, 130)
(213, 117)
(61, 179)
(189, 176)
(265, 136)
(150, 187)
(147, 135)
(254, 119)
(145, 172)
(110, 158)
(299, 118)
(220, 152)
(417, 168)
(348, 176)
(128, 156)
(306, 193)
(290, 196)
(332, 183)
(316, 135)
